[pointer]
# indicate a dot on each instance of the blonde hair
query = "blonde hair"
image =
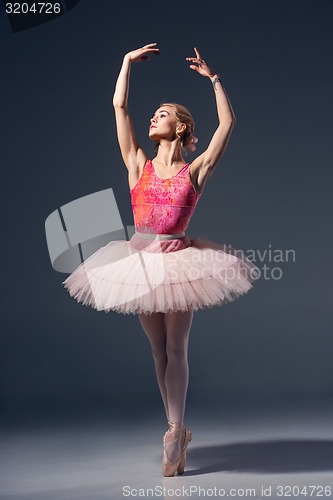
(184, 116)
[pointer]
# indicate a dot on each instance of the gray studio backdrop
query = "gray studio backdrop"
(270, 196)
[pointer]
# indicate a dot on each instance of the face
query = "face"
(163, 123)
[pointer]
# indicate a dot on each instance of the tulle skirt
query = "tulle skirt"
(161, 273)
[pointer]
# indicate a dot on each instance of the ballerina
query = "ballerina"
(161, 274)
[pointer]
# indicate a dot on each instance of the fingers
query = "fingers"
(197, 53)
(154, 51)
(194, 59)
(197, 59)
(150, 46)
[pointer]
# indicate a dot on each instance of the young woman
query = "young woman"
(160, 274)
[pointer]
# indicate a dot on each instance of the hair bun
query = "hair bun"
(191, 143)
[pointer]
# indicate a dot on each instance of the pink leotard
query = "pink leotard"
(163, 206)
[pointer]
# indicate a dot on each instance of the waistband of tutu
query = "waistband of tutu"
(153, 236)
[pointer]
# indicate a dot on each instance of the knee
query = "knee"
(159, 352)
(177, 352)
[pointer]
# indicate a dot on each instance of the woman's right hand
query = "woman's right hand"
(139, 55)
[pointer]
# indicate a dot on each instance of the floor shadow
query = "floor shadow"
(271, 456)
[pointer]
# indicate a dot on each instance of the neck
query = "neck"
(169, 153)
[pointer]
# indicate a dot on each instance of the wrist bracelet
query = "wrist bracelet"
(217, 79)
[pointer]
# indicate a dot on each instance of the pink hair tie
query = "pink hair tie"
(191, 146)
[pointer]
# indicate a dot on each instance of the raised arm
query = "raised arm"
(203, 166)
(132, 153)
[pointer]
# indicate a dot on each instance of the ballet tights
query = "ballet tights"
(168, 335)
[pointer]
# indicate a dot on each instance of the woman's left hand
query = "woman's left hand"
(202, 67)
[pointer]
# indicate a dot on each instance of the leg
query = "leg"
(178, 327)
(154, 328)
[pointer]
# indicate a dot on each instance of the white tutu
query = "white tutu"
(145, 275)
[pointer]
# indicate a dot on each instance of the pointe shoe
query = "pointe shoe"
(187, 437)
(170, 468)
